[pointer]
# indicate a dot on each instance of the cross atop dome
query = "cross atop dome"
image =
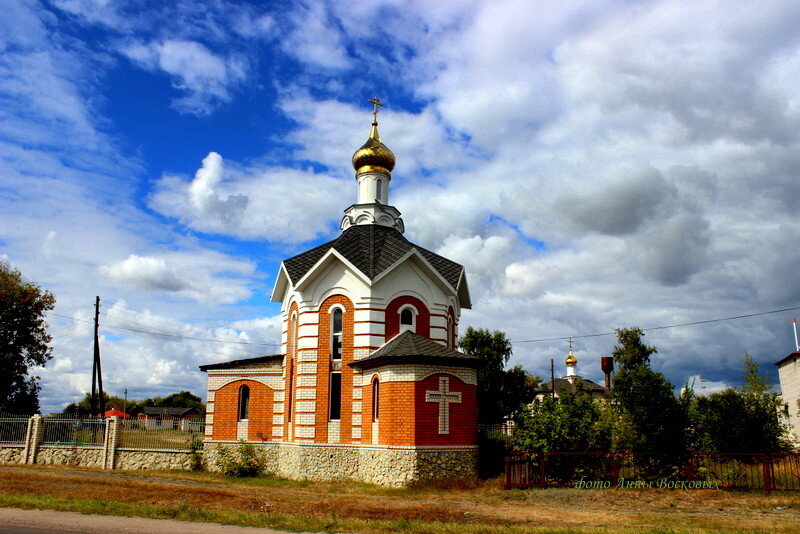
(375, 102)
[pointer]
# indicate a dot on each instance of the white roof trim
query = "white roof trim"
(464, 299)
(282, 282)
(329, 256)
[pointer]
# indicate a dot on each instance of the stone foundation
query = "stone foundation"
(160, 460)
(48, 455)
(10, 454)
(388, 466)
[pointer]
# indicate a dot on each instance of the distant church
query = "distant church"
(369, 384)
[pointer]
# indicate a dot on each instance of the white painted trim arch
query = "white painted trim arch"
(273, 382)
(414, 313)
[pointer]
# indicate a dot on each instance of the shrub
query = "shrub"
(195, 454)
(242, 462)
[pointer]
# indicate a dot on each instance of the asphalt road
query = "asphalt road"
(14, 521)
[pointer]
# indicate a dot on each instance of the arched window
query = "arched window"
(376, 390)
(244, 403)
(290, 364)
(407, 319)
(379, 189)
(335, 387)
(336, 334)
(450, 333)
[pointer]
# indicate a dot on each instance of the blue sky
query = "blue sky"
(592, 164)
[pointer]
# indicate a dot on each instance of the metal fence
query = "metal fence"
(769, 472)
(75, 432)
(13, 429)
(161, 433)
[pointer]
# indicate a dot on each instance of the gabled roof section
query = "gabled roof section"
(408, 347)
(562, 384)
(789, 358)
(371, 248)
(239, 363)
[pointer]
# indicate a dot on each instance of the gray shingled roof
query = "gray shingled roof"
(372, 248)
(239, 363)
(167, 411)
(564, 384)
(408, 346)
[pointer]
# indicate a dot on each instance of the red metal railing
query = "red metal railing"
(731, 471)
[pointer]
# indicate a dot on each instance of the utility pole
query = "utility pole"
(97, 372)
(552, 379)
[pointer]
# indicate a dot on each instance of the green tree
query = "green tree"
(571, 423)
(647, 397)
(747, 420)
(518, 390)
(501, 392)
(24, 340)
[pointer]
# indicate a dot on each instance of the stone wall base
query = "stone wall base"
(377, 465)
(12, 455)
(161, 460)
(50, 455)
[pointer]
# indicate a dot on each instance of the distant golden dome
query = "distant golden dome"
(374, 156)
(571, 360)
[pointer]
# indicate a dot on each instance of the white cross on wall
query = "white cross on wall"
(444, 397)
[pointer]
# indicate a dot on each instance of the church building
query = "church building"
(368, 384)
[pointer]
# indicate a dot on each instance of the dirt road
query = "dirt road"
(13, 521)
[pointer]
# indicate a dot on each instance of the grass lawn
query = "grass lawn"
(355, 507)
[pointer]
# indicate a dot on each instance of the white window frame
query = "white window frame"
(413, 326)
(331, 311)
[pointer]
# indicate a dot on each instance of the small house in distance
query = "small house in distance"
(164, 417)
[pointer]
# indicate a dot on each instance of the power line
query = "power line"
(175, 336)
(181, 324)
(651, 328)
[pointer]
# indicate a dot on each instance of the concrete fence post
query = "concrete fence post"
(34, 434)
(111, 442)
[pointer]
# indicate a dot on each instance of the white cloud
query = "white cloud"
(700, 386)
(186, 275)
(206, 77)
(204, 199)
(314, 39)
(280, 204)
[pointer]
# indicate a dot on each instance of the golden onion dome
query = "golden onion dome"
(373, 156)
(571, 360)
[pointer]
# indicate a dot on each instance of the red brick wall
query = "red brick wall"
(463, 416)
(226, 411)
(324, 370)
(393, 316)
(396, 414)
